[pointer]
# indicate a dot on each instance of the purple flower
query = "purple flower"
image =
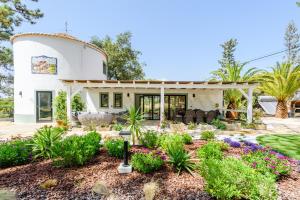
(254, 164)
(227, 140)
(235, 144)
(248, 143)
(267, 159)
(272, 167)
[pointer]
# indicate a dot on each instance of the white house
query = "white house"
(47, 63)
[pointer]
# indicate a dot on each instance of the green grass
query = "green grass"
(288, 145)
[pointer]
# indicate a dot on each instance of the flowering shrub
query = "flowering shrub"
(266, 161)
(16, 152)
(232, 143)
(147, 163)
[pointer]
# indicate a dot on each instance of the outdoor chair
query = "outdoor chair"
(210, 116)
(200, 116)
(189, 116)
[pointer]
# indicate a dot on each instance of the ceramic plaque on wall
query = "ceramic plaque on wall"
(43, 65)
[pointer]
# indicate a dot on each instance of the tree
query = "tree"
(228, 53)
(292, 43)
(12, 14)
(123, 60)
(234, 73)
(60, 105)
(281, 82)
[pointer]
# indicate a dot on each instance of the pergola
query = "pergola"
(246, 88)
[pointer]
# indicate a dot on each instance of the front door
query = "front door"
(44, 106)
(150, 106)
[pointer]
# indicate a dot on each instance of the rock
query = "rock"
(150, 190)
(7, 195)
(49, 184)
(101, 188)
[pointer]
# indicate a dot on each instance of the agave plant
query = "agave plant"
(44, 141)
(134, 120)
(234, 73)
(281, 82)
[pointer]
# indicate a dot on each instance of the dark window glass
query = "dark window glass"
(104, 100)
(118, 100)
(104, 68)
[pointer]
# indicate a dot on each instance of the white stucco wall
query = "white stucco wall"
(75, 60)
(205, 99)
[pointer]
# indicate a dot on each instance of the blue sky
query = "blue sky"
(180, 40)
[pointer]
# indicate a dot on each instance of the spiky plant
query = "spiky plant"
(234, 73)
(134, 120)
(281, 82)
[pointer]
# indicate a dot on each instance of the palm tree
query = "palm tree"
(234, 73)
(134, 119)
(281, 82)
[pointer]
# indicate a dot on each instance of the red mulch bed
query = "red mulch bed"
(77, 183)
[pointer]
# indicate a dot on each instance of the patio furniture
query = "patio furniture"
(200, 116)
(211, 115)
(189, 116)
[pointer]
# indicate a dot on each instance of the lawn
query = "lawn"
(288, 145)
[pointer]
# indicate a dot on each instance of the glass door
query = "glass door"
(44, 106)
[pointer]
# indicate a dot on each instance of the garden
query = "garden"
(175, 165)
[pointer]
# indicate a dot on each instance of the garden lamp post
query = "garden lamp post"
(124, 167)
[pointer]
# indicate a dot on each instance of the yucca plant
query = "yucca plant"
(234, 73)
(281, 82)
(44, 141)
(134, 120)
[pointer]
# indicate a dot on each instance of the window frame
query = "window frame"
(100, 99)
(104, 68)
(115, 94)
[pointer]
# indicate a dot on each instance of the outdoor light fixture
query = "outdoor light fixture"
(128, 95)
(124, 167)
(194, 95)
(20, 93)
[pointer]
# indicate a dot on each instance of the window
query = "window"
(104, 68)
(118, 100)
(104, 100)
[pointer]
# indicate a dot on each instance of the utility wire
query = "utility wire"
(269, 55)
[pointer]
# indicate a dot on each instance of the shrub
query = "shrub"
(211, 150)
(232, 179)
(77, 150)
(115, 147)
(192, 126)
(224, 146)
(166, 139)
(118, 127)
(44, 141)
(267, 162)
(6, 107)
(187, 138)
(218, 124)
(77, 104)
(60, 105)
(14, 153)
(149, 139)
(179, 158)
(146, 163)
(208, 135)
